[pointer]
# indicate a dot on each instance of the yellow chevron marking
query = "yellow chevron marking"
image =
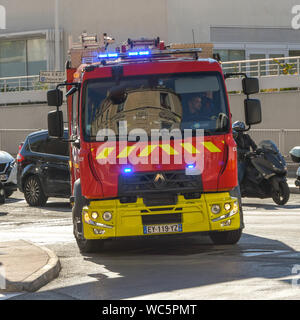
(147, 150)
(211, 147)
(126, 152)
(105, 153)
(190, 148)
(168, 149)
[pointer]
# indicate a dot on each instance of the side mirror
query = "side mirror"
(55, 124)
(252, 111)
(55, 97)
(250, 85)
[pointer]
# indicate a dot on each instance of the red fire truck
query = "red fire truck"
(152, 150)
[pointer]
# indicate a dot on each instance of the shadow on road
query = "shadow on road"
(133, 269)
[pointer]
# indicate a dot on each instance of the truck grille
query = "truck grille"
(143, 183)
(161, 218)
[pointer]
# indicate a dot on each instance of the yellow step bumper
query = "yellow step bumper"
(136, 219)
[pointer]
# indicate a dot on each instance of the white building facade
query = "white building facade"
(239, 29)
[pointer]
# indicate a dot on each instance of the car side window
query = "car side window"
(38, 144)
(57, 146)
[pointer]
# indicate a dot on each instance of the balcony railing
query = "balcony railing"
(23, 83)
(264, 67)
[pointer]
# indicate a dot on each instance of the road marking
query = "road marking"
(5, 296)
(260, 252)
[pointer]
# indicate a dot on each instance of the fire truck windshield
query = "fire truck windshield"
(177, 101)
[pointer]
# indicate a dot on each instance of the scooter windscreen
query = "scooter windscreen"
(273, 155)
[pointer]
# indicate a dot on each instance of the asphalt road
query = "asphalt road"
(265, 264)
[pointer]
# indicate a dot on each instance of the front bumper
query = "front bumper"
(9, 178)
(130, 219)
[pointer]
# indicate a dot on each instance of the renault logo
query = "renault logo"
(159, 180)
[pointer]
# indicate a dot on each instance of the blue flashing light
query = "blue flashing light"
(144, 53)
(190, 166)
(133, 54)
(127, 170)
(108, 55)
(138, 53)
(113, 55)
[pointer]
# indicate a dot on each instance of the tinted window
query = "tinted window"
(44, 144)
(56, 146)
(37, 144)
(177, 101)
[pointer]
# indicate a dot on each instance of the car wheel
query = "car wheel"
(8, 194)
(34, 193)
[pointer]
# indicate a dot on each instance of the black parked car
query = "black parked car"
(43, 168)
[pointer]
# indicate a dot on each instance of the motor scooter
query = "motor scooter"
(265, 175)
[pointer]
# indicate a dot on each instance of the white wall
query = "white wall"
(172, 20)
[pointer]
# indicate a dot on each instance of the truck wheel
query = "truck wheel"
(84, 245)
(282, 196)
(226, 237)
(34, 193)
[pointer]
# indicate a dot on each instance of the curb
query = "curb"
(39, 278)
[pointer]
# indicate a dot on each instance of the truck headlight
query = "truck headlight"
(227, 206)
(95, 215)
(215, 209)
(107, 216)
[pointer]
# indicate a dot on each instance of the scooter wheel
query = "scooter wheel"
(282, 196)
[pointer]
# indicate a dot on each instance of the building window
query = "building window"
(230, 55)
(294, 53)
(22, 57)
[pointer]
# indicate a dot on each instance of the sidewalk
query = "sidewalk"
(25, 266)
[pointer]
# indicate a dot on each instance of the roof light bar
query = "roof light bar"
(139, 53)
(147, 53)
(108, 55)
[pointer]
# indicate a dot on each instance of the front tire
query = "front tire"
(84, 245)
(226, 237)
(282, 196)
(33, 192)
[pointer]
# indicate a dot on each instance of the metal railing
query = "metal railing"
(22, 83)
(254, 68)
(264, 67)
(285, 139)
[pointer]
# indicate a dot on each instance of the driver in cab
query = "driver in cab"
(199, 106)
